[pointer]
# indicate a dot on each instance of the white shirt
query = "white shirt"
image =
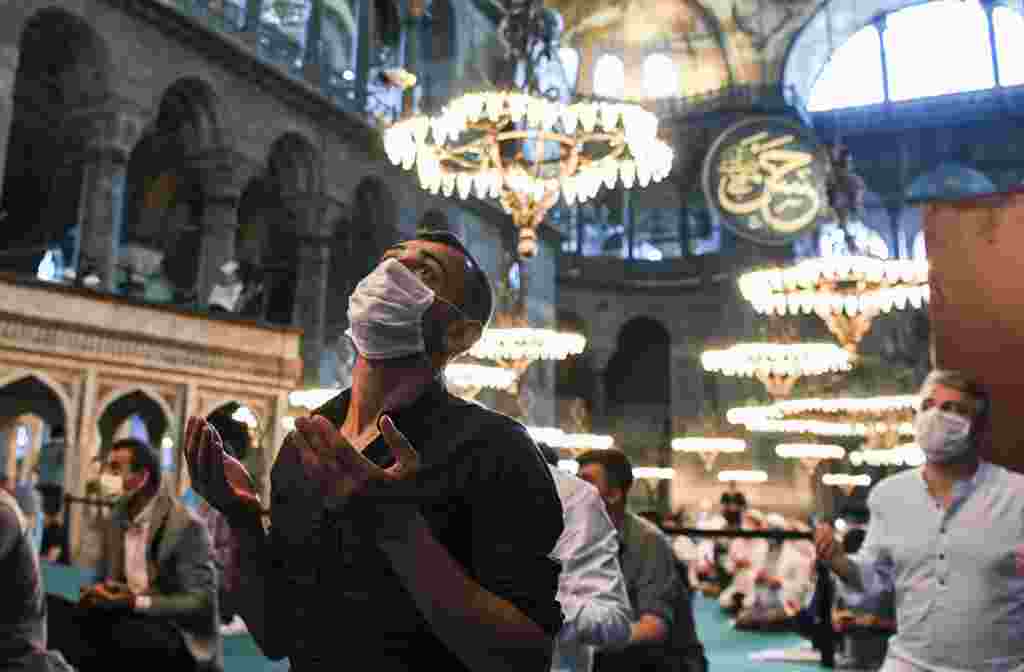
(956, 574)
(136, 570)
(591, 588)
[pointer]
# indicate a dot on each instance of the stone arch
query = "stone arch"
(638, 387)
(64, 67)
(375, 222)
(35, 396)
(118, 406)
(576, 381)
(293, 165)
(163, 204)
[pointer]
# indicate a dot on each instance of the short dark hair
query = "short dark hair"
(549, 453)
(617, 466)
(478, 301)
(144, 456)
(234, 433)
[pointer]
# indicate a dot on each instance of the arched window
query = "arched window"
(920, 54)
(852, 76)
(570, 64)
(1009, 29)
(609, 77)
(919, 59)
(661, 78)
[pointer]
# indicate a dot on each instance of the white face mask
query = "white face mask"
(385, 312)
(111, 485)
(943, 436)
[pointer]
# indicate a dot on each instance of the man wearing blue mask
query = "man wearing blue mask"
(409, 529)
(945, 543)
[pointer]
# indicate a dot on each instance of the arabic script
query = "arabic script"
(759, 178)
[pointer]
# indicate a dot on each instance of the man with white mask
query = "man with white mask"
(945, 542)
(409, 529)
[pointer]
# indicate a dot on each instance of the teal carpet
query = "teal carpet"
(728, 649)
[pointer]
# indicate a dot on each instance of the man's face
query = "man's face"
(947, 399)
(444, 270)
(440, 267)
(596, 475)
(120, 464)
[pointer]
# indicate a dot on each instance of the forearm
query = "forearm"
(486, 632)
(251, 595)
(650, 629)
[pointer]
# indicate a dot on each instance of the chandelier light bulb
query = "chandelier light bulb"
(818, 451)
(702, 444)
(742, 476)
(846, 480)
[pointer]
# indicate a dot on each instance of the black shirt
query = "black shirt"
(486, 495)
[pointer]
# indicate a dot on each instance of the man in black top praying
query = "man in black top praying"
(409, 529)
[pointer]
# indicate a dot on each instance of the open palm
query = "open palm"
(218, 477)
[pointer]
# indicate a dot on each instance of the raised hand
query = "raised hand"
(220, 479)
(341, 472)
(826, 547)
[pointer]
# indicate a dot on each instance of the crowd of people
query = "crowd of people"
(409, 528)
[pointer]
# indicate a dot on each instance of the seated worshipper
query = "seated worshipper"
(945, 541)
(409, 528)
(591, 588)
(23, 605)
(784, 586)
(235, 437)
(747, 557)
(663, 635)
(156, 598)
(706, 572)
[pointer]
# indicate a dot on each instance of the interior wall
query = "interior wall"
(977, 305)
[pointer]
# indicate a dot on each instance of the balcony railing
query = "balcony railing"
(277, 47)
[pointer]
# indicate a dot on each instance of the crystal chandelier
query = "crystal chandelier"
(525, 147)
(527, 343)
(708, 447)
(869, 417)
(907, 454)
(654, 473)
(847, 292)
(560, 440)
(777, 365)
(742, 476)
(810, 454)
(846, 482)
(467, 380)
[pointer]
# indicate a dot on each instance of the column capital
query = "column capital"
(221, 174)
(307, 210)
(111, 128)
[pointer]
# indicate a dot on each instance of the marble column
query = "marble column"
(221, 194)
(313, 259)
(8, 69)
(101, 211)
(314, 256)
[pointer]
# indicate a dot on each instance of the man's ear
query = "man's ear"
(461, 335)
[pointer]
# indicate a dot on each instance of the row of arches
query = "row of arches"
(181, 194)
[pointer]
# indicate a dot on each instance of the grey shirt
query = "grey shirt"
(22, 608)
(956, 574)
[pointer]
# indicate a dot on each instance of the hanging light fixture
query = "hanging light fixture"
(846, 292)
(708, 447)
(742, 476)
(777, 365)
(575, 442)
(907, 454)
(846, 482)
(810, 454)
(468, 380)
(527, 149)
(872, 416)
(654, 473)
